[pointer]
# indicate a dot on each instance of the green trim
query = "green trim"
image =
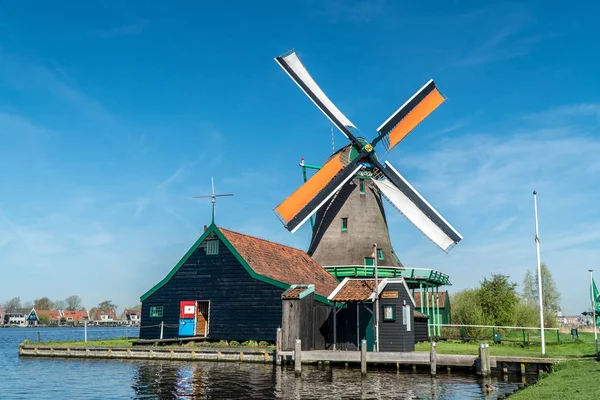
(344, 224)
(362, 185)
(369, 262)
(380, 254)
(156, 311)
(308, 290)
(213, 229)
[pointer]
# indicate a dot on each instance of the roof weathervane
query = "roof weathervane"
(213, 198)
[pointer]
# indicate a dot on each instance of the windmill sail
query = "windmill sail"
(407, 117)
(409, 202)
(292, 65)
(308, 198)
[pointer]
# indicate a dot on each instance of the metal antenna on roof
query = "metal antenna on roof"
(213, 197)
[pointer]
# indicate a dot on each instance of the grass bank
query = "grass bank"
(573, 380)
(582, 347)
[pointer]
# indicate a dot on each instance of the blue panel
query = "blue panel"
(186, 327)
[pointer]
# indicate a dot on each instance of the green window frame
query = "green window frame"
(344, 224)
(389, 312)
(369, 261)
(156, 311)
(212, 247)
(362, 186)
(380, 254)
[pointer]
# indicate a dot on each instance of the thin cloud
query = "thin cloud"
(505, 224)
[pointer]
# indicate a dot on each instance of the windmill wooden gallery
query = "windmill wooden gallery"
(349, 285)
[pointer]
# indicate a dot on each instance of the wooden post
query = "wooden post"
(363, 357)
(278, 348)
(298, 357)
(85, 331)
(484, 359)
(523, 369)
(334, 325)
(39, 338)
(162, 324)
(433, 358)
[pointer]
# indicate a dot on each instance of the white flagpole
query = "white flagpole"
(593, 311)
(539, 270)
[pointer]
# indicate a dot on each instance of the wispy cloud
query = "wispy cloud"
(505, 224)
(510, 35)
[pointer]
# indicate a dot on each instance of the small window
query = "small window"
(212, 247)
(380, 254)
(344, 224)
(156, 311)
(362, 186)
(389, 312)
(406, 317)
(369, 261)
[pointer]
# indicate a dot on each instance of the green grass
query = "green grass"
(126, 342)
(573, 380)
(566, 349)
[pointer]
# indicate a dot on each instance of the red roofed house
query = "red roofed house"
(76, 316)
(37, 317)
(229, 286)
(103, 316)
(132, 316)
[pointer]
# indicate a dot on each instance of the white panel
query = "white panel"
(296, 65)
(414, 214)
(188, 309)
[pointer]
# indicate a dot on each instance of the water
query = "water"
(29, 378)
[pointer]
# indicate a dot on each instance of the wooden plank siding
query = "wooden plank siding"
(241, 307)
(393, 335)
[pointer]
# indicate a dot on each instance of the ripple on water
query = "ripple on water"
(112, 379)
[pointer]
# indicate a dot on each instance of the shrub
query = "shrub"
(263, 343)
(234, 343)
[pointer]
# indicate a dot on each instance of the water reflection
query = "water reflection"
(243, 381)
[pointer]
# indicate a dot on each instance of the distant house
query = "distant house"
(34, 316)
(436, 301)
(76, 316)
(1, 316)
(101, 316)
(132, 317)
(17, 317)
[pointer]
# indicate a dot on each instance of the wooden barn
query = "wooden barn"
(435, 304)
(229, 286)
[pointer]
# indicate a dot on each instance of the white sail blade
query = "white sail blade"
(415, 215)
(292, 65)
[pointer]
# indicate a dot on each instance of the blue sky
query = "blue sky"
(112, 116)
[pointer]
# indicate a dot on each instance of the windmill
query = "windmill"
(349, 216)
(213, 198)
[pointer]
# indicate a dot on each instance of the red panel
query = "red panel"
(187, 309)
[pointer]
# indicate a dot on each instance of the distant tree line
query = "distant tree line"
(497, 302)
(71, 303)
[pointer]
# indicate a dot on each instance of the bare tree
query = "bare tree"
(73, 303)
(60, 304)
(12, 305)
(43, 304)
(107, 305)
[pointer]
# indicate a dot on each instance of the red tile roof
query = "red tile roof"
(75, 315)
(294, 293)
(54, 315)
(355, 290)
(420, 315)
(443, 296)
(281, 263)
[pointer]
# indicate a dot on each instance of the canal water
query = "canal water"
(28, 378)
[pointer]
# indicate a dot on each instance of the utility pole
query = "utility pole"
(593, 310)
(539, 270)
(376, 292)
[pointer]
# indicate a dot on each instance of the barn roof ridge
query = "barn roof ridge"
(262, 269)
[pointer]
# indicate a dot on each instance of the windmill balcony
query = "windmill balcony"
(414, 277)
